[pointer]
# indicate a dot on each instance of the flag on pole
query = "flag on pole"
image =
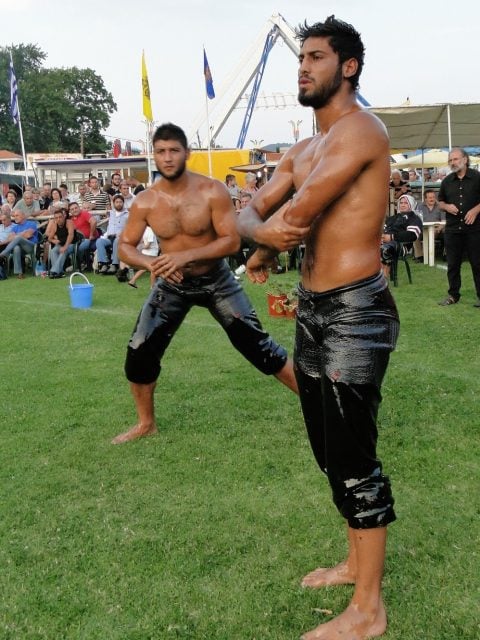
(147, 105)
(208, 77)
(13, 94)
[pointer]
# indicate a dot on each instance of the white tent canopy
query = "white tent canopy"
(432, 158)
(431, 126)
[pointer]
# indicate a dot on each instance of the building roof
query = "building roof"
(8, 155)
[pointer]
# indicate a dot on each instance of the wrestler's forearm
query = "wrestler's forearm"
(299, 215)
(219, 248)
(134, 258)
(248, 222)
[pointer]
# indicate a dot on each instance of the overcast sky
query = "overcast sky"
(427, 51)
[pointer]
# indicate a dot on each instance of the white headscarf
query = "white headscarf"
(411, 202)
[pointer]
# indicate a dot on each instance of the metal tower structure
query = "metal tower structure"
(250, 67)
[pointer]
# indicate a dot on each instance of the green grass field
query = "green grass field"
(205, 531)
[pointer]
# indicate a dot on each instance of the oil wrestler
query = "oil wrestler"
(194, 220)
(347, 323)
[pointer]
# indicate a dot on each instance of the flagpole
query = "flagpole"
(147, 112)
(209, 142)
(209, 94)
(19, 119)
(148, 147)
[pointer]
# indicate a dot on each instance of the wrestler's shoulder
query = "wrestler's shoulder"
(205, 183)
(362, 122)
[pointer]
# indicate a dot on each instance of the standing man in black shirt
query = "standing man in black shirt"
(459, 197)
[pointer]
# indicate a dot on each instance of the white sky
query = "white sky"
(427, 51)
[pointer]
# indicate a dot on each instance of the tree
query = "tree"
(61, 109)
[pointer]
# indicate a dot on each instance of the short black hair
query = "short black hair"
(170, 131)
(342, 37)
(118, 196)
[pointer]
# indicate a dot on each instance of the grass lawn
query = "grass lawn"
(204, 531)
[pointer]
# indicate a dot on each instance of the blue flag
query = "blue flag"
(208, 77)
(13, 94)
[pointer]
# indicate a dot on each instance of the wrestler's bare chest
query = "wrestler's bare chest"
(173, 216)
(306, 160)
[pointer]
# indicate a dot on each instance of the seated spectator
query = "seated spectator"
(56, 200)
(149, 247)
(11, 198)
(135, 185)
(5, 225)
(250, 183)
(79, 197)
(126, 193)
(86, 224)
(429, 212)
(45, 196)
(21, 241)
(118, 216)
(403, 227)
(36, 198)
(64, 191)
(62, 236)
(398, 184)
(429, 208)
(231, 184)
(27, 205)
(413, 176)
(114, 187)
(99, 200)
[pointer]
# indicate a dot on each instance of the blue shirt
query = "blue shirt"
(116, 222)
(28, 224)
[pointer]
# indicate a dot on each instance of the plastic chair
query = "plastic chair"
(403, 257)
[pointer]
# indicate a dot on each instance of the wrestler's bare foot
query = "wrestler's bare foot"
(138, 431)
(351, 625)
(342, 573)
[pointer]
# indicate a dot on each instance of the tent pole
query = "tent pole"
(423, 177)
(449, 129)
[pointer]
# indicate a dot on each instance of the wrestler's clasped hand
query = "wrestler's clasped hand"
(258, 265)
(168, 266)
(279, 234)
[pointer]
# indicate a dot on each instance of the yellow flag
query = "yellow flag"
(147, 104)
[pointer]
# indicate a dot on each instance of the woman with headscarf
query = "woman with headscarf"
(402, 228)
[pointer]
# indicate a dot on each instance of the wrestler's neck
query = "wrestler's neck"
(176, 186)
(343, 103)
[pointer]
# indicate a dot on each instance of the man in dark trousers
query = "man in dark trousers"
(331, 187)
(459, 197)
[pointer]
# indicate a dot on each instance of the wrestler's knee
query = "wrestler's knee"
(141, 367)
(366, 503)
(257, 346)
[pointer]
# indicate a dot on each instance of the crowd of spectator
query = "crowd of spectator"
(48, 228)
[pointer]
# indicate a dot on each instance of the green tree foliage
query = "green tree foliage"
(59, 107)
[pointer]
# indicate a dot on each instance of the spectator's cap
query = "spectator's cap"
(118, 196)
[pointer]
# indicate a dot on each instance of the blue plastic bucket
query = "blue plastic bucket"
(81, 295)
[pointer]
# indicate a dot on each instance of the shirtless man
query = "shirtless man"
(347, 323)
(194, 220)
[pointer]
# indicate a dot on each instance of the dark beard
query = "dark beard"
(180, 171)
(321, 97)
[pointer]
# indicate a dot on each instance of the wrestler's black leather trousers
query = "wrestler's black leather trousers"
(166, 307)
(343, 342)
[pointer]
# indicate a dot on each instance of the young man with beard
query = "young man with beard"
(333, 184)
(194, 220)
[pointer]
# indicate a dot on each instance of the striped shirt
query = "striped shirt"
(101, 199)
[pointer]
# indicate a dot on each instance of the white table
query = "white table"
(429, 242)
